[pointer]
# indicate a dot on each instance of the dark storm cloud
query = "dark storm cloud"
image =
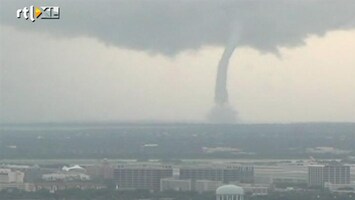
(168, 27)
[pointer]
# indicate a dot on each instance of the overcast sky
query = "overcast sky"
(156, 60)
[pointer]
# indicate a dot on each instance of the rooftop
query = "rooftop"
(229, 189)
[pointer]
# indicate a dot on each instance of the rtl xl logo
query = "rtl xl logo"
(42, 12)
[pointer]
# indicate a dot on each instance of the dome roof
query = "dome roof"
(229, 189)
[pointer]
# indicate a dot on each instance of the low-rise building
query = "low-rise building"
(200, 186)
(13, 179)
(59, 185)
(62, 176)
(340, 188)
(255, 190)
(176, 184)
(207, 185)
(141, 176)
(225, 173)
(10, 176)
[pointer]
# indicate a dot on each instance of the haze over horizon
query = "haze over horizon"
(294, 61)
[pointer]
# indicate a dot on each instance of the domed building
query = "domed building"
(230, 192)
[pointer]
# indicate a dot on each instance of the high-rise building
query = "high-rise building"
(333, 173)
(336, 174)
(315, 175)
(145, 177)
(225, 173)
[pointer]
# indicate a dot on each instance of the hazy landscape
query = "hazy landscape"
(177, 141)
(177, 100)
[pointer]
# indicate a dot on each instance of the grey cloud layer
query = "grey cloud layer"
(169, 27)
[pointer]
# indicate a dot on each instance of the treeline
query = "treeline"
(176, 141)
(104, 194)
(107, 194)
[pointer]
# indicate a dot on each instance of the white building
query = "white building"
(9, 176)
(74, 173)
(13, 179)
(65, 176)
(229, 192)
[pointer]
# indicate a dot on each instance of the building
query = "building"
(102, 170)
(292, 180)
(146, 177)
(10, 179)
(201, 173)
(206, 185)
(255, 190)
(224, 173)
(200, 186)
(59, 185)
(10, 176)
(28, 187)
(66, 176)
(315, 175)
(175, 184)
(281, 173)
(74, 173)
(189, 185)
(229, 192)
(334, 173)
(340, 188)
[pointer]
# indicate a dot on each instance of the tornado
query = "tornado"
(221, 93)
(223, 112)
